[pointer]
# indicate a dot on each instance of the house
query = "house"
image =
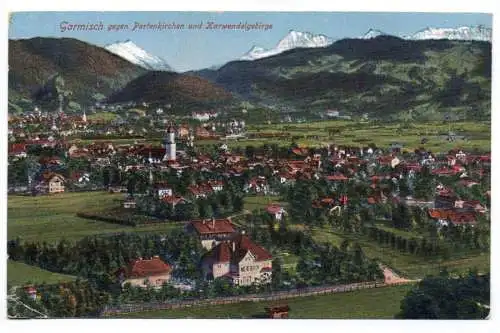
(446, 216)
(440, 216)
(338, 177)
(216, 185)
(200, 191)
(240, 260)
(173, 200)
(213, 231)
(162, 189)
(145, 272)
(276, 211)
(52, 183)
(129, 203)
(462, 218)
(257, 185)
(278, 312)
(31, 292)
(18, 150)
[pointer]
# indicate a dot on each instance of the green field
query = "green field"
(409, 265)
(381, 303)
(363, 133)
(261, 201)
(51, 218)
(344, 132)
(20, 274)
(102, 116)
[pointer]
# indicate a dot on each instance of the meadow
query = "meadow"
(52, 217)
(344, 132)
(20, 274)
(360, 304)
(408, 265)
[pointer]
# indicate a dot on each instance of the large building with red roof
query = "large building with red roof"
(143, 272)
(212, 231)
(240, 260)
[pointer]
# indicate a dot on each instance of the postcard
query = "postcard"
(228, 165)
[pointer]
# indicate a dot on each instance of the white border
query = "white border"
(482, 6)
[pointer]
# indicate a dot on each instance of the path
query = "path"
(392, 278)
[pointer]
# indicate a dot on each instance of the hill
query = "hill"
(180, 90)
(40, 69)
(382, 76)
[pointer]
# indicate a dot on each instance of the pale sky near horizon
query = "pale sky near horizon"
(195, 49)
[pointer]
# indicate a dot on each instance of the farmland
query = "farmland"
(344, 132)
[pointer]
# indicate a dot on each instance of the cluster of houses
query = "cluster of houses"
(230, 254)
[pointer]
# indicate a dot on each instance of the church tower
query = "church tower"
(170, 144)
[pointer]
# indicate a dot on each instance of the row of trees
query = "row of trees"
(99, 257)
(318, 263)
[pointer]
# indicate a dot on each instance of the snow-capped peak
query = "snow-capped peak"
(292, 40)
(129, 51)
(372, 33)
(479, 32)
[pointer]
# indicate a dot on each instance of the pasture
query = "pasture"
(360, 304)
(52, 217)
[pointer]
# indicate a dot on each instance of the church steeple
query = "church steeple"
(170, 147)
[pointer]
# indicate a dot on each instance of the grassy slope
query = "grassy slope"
(407, 264)
(363, 304)
(21, 274)
(51, 218)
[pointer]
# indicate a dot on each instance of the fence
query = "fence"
(274, 296)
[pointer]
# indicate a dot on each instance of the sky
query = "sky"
(189, 49)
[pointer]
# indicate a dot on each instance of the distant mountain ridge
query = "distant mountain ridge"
(138, 56)
(383, 76)
(296, 39)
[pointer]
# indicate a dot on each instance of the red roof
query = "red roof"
(337, 177)
(462, 217)
(224, 252)
(173, 200)
(214, 226)
(17, 148)
(274, 209)
(146, 267)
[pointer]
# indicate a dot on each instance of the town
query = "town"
(421, 203)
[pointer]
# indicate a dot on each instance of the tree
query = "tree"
(446, 297)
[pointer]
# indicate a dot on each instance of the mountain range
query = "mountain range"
(296, 39)
(375, 73)
(383, 76)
